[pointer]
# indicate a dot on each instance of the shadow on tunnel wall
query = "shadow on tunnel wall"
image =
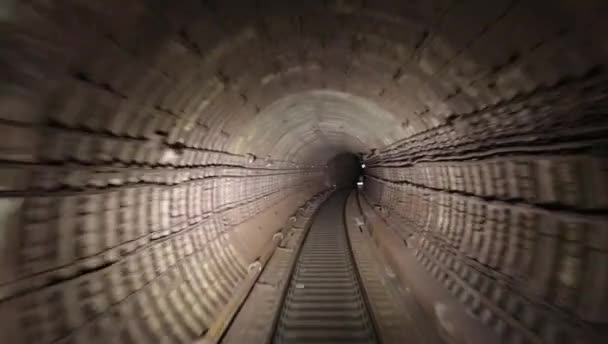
(137, 185)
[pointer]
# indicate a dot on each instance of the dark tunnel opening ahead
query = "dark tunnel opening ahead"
(345, 170)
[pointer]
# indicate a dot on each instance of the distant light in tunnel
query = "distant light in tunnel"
(362, 165)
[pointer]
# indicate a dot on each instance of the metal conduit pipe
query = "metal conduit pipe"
(151, 150)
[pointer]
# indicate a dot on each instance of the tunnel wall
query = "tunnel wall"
(506, 214)
(136, 175)
(121, 218)
(164, 254)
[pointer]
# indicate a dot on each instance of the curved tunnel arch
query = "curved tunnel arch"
(145, 142)
(323, 123)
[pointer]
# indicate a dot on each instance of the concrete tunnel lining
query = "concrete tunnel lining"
(315, 126)
(128, 189)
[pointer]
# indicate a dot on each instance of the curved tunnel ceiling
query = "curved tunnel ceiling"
(143, 140)
(315, 126)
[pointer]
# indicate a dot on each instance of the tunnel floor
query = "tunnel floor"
(336, 289)
(324, 301)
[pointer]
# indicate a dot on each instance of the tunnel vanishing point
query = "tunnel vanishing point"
(185, 171)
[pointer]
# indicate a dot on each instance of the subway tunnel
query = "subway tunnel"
(163, 164)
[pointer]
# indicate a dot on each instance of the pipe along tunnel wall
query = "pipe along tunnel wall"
(151, 149)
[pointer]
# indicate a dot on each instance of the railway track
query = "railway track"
(324, 302)
(326, 283)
